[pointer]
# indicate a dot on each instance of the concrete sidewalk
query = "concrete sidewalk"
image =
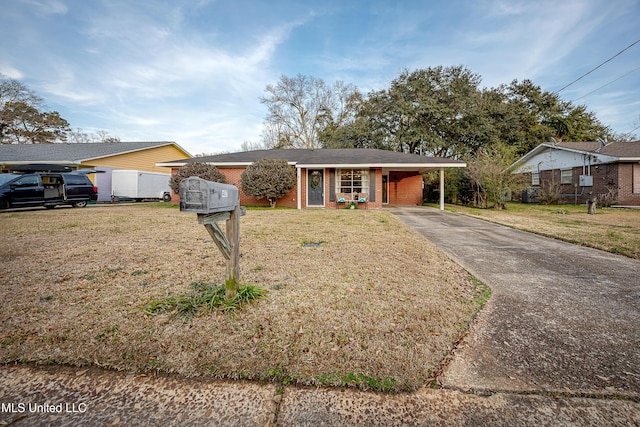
(48, 396)
(557, 344)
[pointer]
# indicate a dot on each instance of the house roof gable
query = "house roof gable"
(326, 157)
(619, 151)
(73, 153)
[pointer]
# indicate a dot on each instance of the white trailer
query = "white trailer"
(138, 185)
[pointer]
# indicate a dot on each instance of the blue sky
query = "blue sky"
(192, 71)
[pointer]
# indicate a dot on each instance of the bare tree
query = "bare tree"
(79, 136)
(491, 177)
(251, 146)
(300, 107)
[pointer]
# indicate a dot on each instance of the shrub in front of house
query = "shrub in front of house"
(268, 179)
(199, 169)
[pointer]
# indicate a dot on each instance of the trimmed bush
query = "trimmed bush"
(199, 169)
(268, 179)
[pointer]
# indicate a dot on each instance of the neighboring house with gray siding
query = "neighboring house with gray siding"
(586, 169)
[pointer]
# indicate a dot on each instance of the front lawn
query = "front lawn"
(353, 298)
(615, 230)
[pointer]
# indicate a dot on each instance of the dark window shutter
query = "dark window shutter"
(332, 185)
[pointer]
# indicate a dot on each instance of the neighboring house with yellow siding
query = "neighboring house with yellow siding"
(103, 157)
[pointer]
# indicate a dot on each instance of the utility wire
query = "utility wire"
(586, 74)
(607, 84)
(631, 131)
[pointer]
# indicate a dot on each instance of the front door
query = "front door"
(315, 187)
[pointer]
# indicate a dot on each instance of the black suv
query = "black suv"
(46, 189)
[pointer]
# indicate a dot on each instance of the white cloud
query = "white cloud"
(11, 72)
(48, 7)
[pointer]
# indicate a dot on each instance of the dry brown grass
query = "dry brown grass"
(374, 306)
(615, 230)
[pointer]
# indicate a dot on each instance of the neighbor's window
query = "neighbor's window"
(636, 179)
(535, 178)
(351, 181)
(566, 176)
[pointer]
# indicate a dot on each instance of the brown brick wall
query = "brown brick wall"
(405, 188)
(626, 195)
(233, 177)
(607, 176)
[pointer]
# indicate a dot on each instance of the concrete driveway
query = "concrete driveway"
(561, 319)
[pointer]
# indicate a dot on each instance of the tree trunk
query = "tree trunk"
(591, 203)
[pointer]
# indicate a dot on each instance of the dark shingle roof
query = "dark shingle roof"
(70, 153)
(622, 150)
(326, 157)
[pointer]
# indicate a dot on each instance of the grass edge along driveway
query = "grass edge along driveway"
(615, 230)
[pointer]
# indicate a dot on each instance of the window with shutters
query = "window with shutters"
(351, 181)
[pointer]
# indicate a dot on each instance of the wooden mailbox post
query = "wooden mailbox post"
(215, 202)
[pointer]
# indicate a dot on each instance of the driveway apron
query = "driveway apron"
(561, 318)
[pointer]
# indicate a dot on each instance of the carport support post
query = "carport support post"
(233, 263)
(441, 189)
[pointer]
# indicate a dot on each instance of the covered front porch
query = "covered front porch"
(371, 188)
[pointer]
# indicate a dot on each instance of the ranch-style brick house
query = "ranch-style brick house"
(585, 170)
(334, 178)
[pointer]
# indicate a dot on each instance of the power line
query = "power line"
(586, 74)
(607, 84)
(631, 131)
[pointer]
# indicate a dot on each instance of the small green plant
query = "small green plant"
(483, 290)
(356, 380)
(205, 297)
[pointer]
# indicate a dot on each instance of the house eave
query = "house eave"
(162, 144)
(44, 162)
(407, 166)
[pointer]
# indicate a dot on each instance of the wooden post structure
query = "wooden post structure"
(214, 202)
(228, 243)
(233, 263)
(591, 205)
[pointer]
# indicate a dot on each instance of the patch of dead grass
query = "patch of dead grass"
(374, 305)
(615, 230)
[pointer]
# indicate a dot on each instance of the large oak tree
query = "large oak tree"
(23, 119)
